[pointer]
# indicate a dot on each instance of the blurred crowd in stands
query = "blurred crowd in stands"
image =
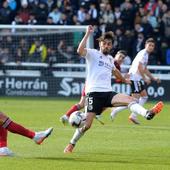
(132, 22)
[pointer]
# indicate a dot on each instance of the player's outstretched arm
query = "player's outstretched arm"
(148, 73)
(118, 75)
(142, 71)
(82, 46)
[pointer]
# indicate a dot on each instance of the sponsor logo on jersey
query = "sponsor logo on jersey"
(101, 63)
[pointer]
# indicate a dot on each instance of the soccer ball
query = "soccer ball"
(77, 119)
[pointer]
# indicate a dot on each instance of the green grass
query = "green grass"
(116, 145)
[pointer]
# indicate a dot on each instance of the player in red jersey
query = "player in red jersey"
(6, 124)
(118, 60)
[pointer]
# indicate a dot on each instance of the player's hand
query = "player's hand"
(127, 76)
(90, 29)
(157, 80)
(128, 81)
(147, 81)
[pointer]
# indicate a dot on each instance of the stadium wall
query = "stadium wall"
(67, 87)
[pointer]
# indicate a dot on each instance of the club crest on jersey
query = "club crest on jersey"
(90, 107)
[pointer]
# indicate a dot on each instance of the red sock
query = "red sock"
(72, 109)
(16, 128)
(3, 137)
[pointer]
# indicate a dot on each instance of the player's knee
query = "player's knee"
(144, 97)
(134, 100)
(3, 118)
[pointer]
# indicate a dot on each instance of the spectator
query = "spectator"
(147, 28)
(118, 25)
(152, 20)
(93, 14)
(50, 4)
(142, 12)
(67, 52)
(12, 4)
(139, 43)
(81, 15)
(64, 20)
(119, 40)
(75, 20)
(41, 13)
(51, 56)
(101, 13)
(88, 20)
(164, 48)
(67, 8)
(138, 18)
(55, 15)
(22, 51)
(158, 11)
(32, 20)
(4, 58)
(138, 28)
(108, 17)
(117, 12)
(124, 5)
(51, 59)
(9, 46)
(127, 16)
(17, 20)
(151, 6)
(168, 56)
(137, 5)
(128, 40)
(166, 21)
(50, 21)
(24, 13)
(38, 51)
(97, 33)
(5, 13)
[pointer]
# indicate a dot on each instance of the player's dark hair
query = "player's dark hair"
(150, 40)
(107, 35)
(122, 52)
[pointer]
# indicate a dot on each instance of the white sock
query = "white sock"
(137, 109)
(116, 110)
(142, 101)
(77, 135)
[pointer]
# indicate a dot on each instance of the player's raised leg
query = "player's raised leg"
(116, 110)
(122, 99)
(4, 150)
(143, 97)
(80, 132)
(6, 124)
(78, 106)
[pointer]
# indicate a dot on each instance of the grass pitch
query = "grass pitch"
(117, 145)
